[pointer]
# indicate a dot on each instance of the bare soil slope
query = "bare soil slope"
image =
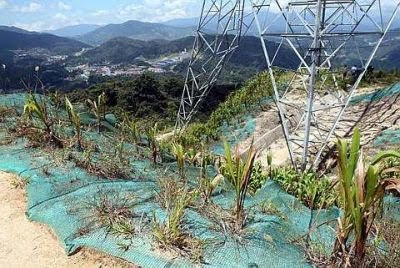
(28, 244)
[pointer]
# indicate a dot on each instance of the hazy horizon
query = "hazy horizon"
(46, 15)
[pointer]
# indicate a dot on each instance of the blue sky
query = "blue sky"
(51, 14)
(38, 15)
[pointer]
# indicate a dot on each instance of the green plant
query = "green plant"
(105, 165)
(238, 173)
(151, 134)
(313, 191)
(75, 121)
(98, 109)
(238, 102)
(269, 162)
(362, 188)
(119, 150)
(171, 235)
(130, 129)
(258, 178)
(39, 110)
(179, 153)
(56, 99)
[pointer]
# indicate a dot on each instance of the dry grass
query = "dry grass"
(114, 213)
(170, 190)
(384, 251)
(170, 234)
(19, 182)
(224, 221)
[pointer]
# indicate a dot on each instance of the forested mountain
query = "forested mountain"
(75, 30)
(13, 29)
(125, 50)
(135, 30)
(14, 40)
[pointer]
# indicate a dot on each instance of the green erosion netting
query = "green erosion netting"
(389, 136)
(241, 127)
(377, 95)
(59, 195)
(235, 132)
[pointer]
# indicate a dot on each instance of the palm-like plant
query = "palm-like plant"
(98, 109)
(362, 189)
(238, 173)
(151, 134)
(39, 110)
(179, 152)
(75, 121)
(130, 127)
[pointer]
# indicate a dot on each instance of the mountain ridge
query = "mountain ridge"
(74, 30)
(135, 29)
(126, 50)
(17, 40)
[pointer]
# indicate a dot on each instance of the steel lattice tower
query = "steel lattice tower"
(321, 33)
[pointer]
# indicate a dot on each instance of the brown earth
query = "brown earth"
(28, 244)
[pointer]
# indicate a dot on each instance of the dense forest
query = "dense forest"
(13, 40)
(150, 96)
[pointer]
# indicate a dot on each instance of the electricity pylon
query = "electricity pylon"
(322, 34)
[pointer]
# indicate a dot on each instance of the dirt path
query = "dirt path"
(28, 244)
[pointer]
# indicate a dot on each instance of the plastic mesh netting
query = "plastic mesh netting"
(61, 195)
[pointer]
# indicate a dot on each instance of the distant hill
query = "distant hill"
(188, 22)
(73, 31)
(13, 29)
(135, 30)
(388, 56)
(14, 40)
(125, 50)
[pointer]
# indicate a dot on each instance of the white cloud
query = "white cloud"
(63, 6)
(159, 10)
(35, 26)
(60, 17)
(32, 7)
(100, 13)
(3, 4)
